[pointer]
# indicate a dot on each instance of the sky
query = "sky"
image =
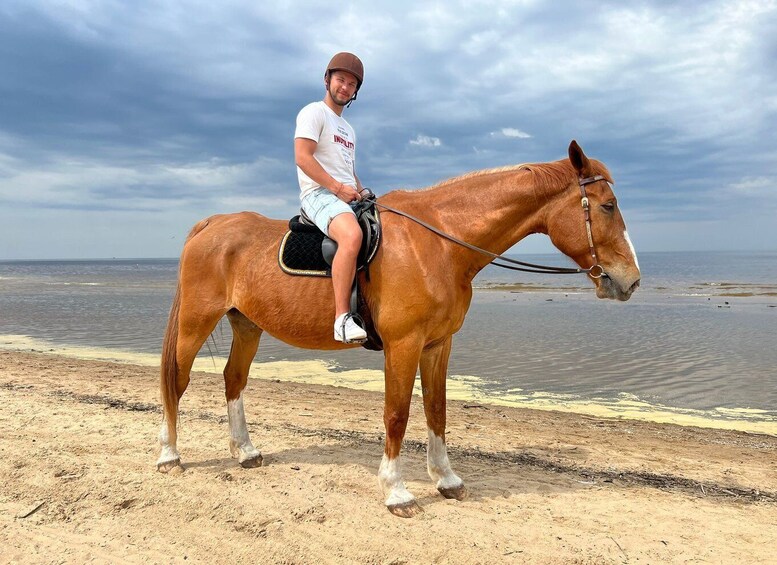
(124, 123)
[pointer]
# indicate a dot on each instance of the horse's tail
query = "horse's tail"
(169, 372)
(169, 365)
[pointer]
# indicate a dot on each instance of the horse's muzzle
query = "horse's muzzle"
(616, 288)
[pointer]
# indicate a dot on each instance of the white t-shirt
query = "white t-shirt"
(336, 149)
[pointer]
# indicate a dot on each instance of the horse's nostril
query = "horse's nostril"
(634, 287)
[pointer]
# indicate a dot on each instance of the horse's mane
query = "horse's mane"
(545, 175)
(549, 176)
(475, 174)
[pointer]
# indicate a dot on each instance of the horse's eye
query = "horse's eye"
(608, 207)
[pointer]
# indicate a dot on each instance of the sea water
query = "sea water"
(698, 338)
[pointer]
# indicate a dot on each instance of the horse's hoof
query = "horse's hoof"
(459, 493)
(405, 509)
(169, 466)
(252, 462)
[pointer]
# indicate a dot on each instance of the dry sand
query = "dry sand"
(78, 482)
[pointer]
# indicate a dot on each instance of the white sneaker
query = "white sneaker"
(353, 332)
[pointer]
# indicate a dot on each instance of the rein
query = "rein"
(596, 271)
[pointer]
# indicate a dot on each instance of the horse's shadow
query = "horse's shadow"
(485, 479)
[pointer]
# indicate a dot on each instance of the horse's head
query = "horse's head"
(607, 244)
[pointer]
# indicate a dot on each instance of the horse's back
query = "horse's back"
(229, 233)
(221, 246)
(239, 223)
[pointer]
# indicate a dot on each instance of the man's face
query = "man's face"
(342, 87)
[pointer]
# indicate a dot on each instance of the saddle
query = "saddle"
(307, 251)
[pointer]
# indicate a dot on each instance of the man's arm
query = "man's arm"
(303, 155)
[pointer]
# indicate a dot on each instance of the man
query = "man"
(325, 150)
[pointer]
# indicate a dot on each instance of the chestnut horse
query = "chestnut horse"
(419, 291)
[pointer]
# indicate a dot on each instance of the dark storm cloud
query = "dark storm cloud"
(143, 107)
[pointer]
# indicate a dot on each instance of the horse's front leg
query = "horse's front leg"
(434, 370)
(400, 370)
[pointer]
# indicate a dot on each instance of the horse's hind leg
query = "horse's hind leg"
(245, 342)
(193, 329)
(434, 369)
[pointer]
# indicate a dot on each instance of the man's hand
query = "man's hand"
(303, 155)
(347, 193)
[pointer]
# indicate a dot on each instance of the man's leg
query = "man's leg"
(345, 230)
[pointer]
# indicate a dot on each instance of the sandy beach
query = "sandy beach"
(79, 485)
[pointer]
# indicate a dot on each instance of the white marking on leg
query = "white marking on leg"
(169, 452)
(631, 246)
(239, 441)
(390, 479)
(438, 465)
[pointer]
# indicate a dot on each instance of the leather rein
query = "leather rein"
(596, 271)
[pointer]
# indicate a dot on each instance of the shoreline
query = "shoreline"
(459, 387)
(78, 483)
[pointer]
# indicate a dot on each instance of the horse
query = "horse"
(418, 291)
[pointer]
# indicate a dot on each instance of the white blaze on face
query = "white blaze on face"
(631, 246)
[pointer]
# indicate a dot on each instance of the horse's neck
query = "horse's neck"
(492, 211)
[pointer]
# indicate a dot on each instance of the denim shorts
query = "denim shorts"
(322, 206)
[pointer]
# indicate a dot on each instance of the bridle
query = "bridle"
(587, 214)
(596, 271)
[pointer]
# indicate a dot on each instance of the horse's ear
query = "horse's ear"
(579, 160)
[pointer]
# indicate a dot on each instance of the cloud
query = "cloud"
(96, 185)
(426, 141)
(129, 107)
(511, 132)
(749, 193)
(755, 186)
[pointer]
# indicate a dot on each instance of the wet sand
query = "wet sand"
(78, 482)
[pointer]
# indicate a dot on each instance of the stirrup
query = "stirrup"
(359, 321)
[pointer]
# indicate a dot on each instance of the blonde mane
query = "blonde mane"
(545, 175)
(474, 174)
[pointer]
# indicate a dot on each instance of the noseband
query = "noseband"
(595, 272)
